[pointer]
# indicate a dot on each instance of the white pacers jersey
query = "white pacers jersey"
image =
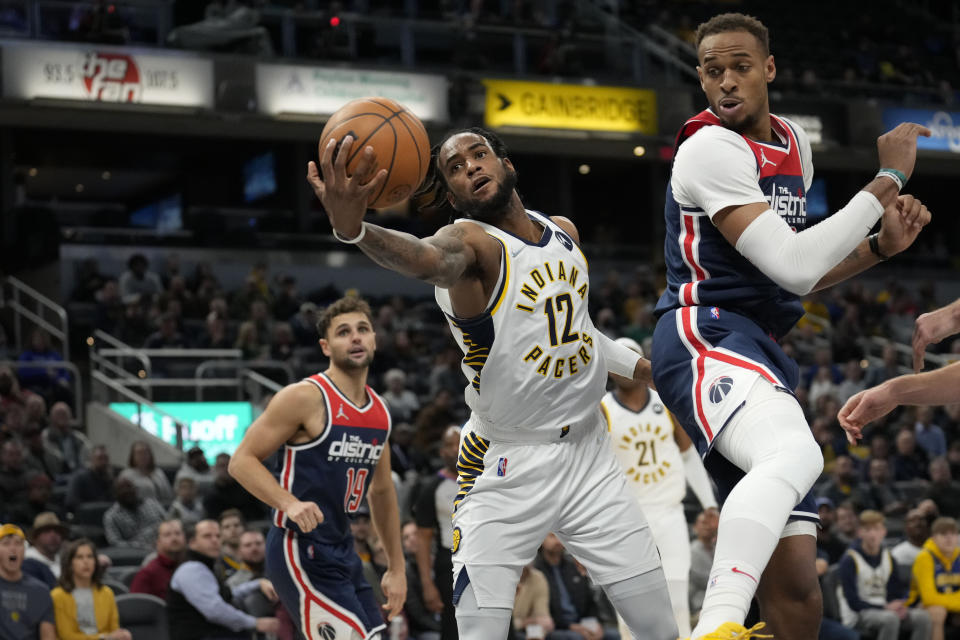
(531, 358)
(644, 445)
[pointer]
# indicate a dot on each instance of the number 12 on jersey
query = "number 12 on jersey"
(563, 303)
(356, 481)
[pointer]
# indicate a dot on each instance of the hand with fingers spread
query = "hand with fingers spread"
(307, 515)
(863, 408)
(901, 224)
(933, 327)
(898, 148)
(345, 197)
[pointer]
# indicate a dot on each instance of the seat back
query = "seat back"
(143, 615)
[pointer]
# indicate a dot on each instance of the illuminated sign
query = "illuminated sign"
(97, 73)
(215, 427)
(570, 106)
(284, 88)
(944, 126)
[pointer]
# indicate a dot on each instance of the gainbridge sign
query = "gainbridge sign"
(570, 106)
(96, 73)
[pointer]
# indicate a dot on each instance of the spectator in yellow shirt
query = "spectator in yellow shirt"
(936, 576)
(83, 607)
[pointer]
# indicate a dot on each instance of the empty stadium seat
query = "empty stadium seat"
(143, 615)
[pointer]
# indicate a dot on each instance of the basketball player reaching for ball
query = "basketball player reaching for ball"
(333, 430)
(739, 252)
(534, 456)
(659, 460)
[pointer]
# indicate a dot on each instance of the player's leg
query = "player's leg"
(769, 439)
(476, 622)
(789, 594)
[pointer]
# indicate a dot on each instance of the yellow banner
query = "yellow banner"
(570, 106)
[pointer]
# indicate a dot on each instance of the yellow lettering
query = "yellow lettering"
(524, 307)
(535, 274)
(572, 363)
(561, 272)
(582, 291)
(544, 367)
(558, 368)
(584, 355)
(549, 272)
(534, 354)
(528, 291)
(587, 340)
(573, 276)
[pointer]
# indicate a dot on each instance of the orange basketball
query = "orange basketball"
(397, 136)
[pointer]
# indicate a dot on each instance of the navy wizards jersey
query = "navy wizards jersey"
(334, 469)
(703, 269)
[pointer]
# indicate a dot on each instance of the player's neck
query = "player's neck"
(517, 222)
(634, 399)
(762, 131)
(352, 384)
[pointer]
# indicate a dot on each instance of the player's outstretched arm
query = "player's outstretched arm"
(385, 517)
(931, 388)
(933, 327)
(291, 407)
(439, 260)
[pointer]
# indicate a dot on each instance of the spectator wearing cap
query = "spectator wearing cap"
(401, 402)
(827, 542)
(71, 444)
(46, 541)
(916, 529)
(936, 576)
(139, 280)
(131, 521)
(146, 476)
(872, 596)
(26, 610)
(84, 607)
(94, 483)
(200, 605)
(39, 491)
(187, 507)
(154, 577)
(197, 468)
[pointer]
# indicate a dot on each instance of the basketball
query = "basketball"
(397, 136)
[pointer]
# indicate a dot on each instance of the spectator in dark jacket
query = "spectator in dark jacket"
(909, 461)
(423, 623)
(944, 490)
(93, 484)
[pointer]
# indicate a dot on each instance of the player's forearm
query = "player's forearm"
(411, 256)
(941, 386)
(386, 522)
(858, 260)
(257, 479)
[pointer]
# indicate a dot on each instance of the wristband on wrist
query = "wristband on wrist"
(874, 240)
(897, 176)
(358, 238)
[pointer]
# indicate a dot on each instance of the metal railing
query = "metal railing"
(76, 382)
(875, 345)
(113, 385)
(19, 296)
(245, 371)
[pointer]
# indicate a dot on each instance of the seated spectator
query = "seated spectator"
(878, 493)
(917, 530)
(131, 521)
(827, 542)
(402, 402)
(71, 444)
(46, 541)
(197, 468)
(929, 436)
(38, 457)
(572, 605)
(424, 624)
(232, 526)
(848, 522)
(146, 476)
(154, 577)
(215, 333)
(110, 310)
(187, 507)
(248, 341)
(853, 382)
(83, 606)
(288, 299)
(139, 280)
(253, 551)
(196, 606)
(944, 490)
(48, 381)
(936, 574)
(531, 608)
(14, 425)
(35, 412)
(889, 368)
(10, 391)
(227, 493)
(282, 344)
(872, 596)
(39, 491)
(909, 461)
(841, 485)
(304, 325)
(879, 448)
(701, 556)
(26, 610)
(93, 484)
(167, 336)
(14, 477)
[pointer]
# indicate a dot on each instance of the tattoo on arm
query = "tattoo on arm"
(439, 260)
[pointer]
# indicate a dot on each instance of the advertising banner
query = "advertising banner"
(944, 126)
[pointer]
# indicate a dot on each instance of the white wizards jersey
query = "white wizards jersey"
(532, 361)
(644, 445)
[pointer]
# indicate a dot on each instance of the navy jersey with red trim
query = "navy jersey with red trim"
(704, 269)
(335, 469)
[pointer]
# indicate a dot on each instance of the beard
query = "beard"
(494, 209)
(746, 123)
(349, 364)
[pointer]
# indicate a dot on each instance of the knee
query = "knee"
(799, 463)
(889, 619)
(938, 615)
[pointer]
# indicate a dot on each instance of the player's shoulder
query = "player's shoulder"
(713, 146)
(307, 391)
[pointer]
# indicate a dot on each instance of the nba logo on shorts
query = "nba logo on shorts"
(719, 389)
(715, 313)
(310, 552)
(502, 466)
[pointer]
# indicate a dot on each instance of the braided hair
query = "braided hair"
(433, 193)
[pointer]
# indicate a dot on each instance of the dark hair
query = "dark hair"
(153, 464)
(66, 565)
(347, 304)
(726, 22)
(434, 190)
(232, 513)
(190, 531)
